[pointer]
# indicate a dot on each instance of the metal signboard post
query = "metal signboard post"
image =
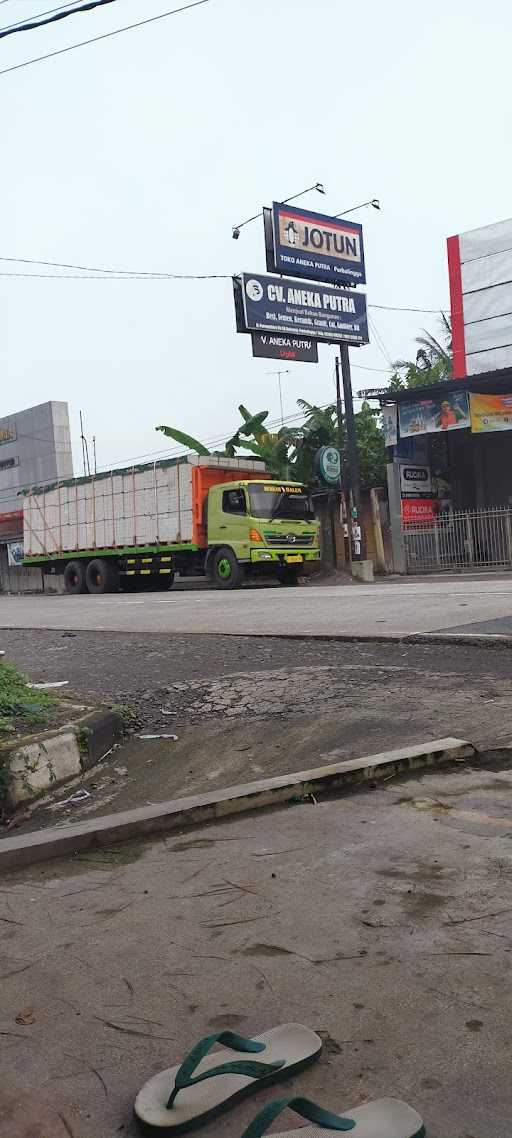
(330, 314)
(319, 248)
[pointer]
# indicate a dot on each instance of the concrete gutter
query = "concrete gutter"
(51, 758)
(42, 845)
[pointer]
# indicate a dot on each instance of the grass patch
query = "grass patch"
(21, 708)
(17, 700)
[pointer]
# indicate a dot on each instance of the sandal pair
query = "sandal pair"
(205, 1085)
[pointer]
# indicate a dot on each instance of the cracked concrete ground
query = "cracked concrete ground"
(383, 920)
(250, 724)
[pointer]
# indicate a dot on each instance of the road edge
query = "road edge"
(42, 845)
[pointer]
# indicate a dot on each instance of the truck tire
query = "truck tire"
(288, 576)
(101, 576)
(227, 573)
(74, 578)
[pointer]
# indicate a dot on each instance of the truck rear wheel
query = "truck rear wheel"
(101, 576)
(74, 578)
(227, 573)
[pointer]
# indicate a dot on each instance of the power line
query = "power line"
(397, 308)
(35, 23)
(95, 274)
(380, 342)
(105, 36)
(37, 15)
(176, 452)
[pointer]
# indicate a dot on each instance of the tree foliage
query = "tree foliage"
(433, 363)
(290, 452)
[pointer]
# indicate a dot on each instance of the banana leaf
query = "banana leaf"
(185, 440)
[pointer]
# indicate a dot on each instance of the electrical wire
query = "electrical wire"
(105, 36)
(120, 277)
(95, 274)
(380, 342)
(38, 14)
(397, 308)
(35, 23)
(154, 275)
(176, 452)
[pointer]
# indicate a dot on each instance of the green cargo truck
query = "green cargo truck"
(140, 525)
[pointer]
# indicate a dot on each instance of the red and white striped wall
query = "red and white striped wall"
(480, 274)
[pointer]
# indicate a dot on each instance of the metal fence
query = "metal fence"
(462, 540)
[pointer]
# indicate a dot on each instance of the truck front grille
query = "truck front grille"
(299, 540)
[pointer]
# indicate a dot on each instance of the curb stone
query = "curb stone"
(47, 762)
(42, 845)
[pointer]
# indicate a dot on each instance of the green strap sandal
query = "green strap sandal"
(206, 1084)
(384, 1118)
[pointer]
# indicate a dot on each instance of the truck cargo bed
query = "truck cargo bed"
(159, 503)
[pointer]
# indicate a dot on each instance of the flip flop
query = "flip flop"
(204, 1085)
(384, 1118)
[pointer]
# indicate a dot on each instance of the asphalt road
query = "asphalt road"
(394, 608)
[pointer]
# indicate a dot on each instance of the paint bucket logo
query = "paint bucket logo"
(291, 233)
(254, 290)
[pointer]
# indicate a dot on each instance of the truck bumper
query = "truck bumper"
(262, 556)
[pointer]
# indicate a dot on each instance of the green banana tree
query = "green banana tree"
(275, 450)
(184, 440)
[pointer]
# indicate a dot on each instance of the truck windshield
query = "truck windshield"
(291, 502)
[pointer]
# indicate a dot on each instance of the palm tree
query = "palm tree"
(433, 363)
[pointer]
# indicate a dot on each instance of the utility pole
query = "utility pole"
(354, 480)
(344, 518)
(284, 371)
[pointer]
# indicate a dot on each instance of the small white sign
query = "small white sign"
(415, 480)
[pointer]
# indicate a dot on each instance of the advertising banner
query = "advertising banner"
(390, 424)
(415, 480)
(490, 413)
(431, 416)
(8, 435)
(314, 245)
(334, 315)
(418, 510)
(296, 348)
(15, 553)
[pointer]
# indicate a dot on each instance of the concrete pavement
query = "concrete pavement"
(391, 608)
(382, 921)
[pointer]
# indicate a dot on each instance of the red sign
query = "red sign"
(417, 510)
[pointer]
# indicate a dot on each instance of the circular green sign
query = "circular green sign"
(329, 465)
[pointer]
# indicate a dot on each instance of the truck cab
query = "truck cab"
(260, 527)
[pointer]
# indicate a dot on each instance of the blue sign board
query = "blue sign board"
(275, 304)
(316, 246)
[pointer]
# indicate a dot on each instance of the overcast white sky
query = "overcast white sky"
(142, 151)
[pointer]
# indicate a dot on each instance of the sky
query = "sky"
(141, 152)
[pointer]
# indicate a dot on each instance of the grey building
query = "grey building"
(35, 447)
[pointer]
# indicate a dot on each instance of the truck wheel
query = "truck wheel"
(101, 576)
(288, 576)
(227, 573)
(74, 578)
